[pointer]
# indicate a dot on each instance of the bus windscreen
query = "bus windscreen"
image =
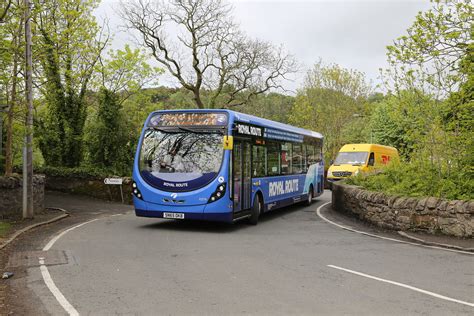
(180, 161)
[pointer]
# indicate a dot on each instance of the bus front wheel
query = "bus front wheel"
(256, 210)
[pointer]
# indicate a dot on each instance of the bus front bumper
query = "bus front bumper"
(218, 212)
(217, 217)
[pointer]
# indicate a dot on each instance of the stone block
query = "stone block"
(450, 207)
(446, 221)
(399, 203)
(423, 221)
(431, 203)
(470, 207)
(421, 205)
(459, 206)
(441, 207)
(410, 203)
(391, 200)
(404, 220)
(454, 230)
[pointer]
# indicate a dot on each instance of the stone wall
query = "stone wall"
(91, 187)
(11, 196)
(431, 215)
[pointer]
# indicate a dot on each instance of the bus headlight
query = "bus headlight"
(135, 190)
(219, 193)
(357, 172)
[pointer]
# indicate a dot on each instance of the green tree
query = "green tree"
(458, 119)
(431, 111)
(273, 106)
(428, 57)
(110, 138)
(69, 45)
(392, 122)
(331, 100)
(428, 65)
(11, 83)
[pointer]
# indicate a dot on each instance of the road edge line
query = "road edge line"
(48, 280)
(24, 230)
(413, 288)
(64, 232)
(318, 212)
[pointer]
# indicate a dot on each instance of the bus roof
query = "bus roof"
(246, 118)
(366, 147)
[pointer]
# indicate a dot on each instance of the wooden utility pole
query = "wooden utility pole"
(29, 211)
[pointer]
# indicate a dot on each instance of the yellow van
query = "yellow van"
(355, 158)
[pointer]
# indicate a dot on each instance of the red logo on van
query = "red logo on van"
(385, 159)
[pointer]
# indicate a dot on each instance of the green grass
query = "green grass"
(4, 228)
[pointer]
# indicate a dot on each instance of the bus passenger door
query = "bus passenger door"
(241, 175)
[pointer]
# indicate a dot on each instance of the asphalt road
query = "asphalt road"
(128, 265)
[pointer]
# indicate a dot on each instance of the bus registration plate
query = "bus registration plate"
(173, 215)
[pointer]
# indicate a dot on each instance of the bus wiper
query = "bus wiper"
(164, 130)
(159, 129)
(191, 130)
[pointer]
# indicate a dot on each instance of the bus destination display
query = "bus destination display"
(190, 119)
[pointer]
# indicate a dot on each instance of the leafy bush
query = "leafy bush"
(418, 179)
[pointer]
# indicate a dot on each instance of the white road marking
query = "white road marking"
(318, 211)
(48, 280)
(56, 292)
(54, 239)
(404, 286)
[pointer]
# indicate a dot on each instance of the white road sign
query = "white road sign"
(113, 181)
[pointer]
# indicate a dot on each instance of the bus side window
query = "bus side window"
(259, 161)
(310, 155)
(285, 161)
(273, 159)
(297, 158)
(371, 159)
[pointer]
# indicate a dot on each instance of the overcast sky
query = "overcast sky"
(352, 33)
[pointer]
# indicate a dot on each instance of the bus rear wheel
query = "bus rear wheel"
(256, 210)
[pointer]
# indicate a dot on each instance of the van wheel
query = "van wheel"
(310, 196)
(256, 210)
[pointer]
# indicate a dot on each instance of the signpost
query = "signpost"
(28, 211)
(115, 181)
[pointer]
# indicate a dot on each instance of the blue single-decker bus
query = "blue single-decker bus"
(221, 165)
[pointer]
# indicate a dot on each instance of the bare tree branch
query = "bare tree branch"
(208, 56)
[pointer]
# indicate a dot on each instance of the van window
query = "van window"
(351, 158)
(371, 159)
